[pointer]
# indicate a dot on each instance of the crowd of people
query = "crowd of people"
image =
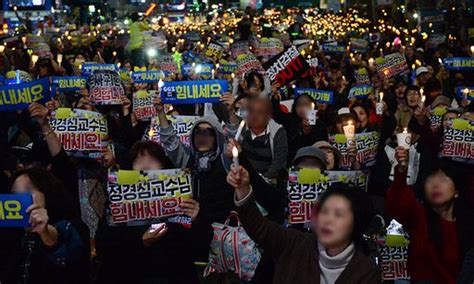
(243, 150)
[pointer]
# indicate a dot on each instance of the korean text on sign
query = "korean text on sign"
(13, 209)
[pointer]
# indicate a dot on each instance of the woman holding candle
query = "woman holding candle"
(298, 129)
(441, 228)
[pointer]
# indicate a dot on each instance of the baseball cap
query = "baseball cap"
(420, 70)
(310, 151)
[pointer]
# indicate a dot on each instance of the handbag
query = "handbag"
(232, 250)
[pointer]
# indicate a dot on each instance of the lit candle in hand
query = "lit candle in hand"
(239, 130)
(60, 58)
(235, 157)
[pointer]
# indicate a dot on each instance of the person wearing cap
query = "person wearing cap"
(422, 75)
(333, 155)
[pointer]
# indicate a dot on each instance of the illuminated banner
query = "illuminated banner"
(20, 96)
(467, 92)
(13, 209)
(192, 92)
(305, 185)
(89, 68)
(143, 107)
(150, 76)
(105, 88)
(459, 63)
(148, 196)
(80, 130)
(286, 67)
(361, 91)
(202, 69)
(227, 68)
(391, 65)
(182, 125)
(366, 145)
(458, 141)
(320, 96)
(69, 83)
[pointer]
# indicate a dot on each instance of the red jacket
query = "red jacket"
(425, 261)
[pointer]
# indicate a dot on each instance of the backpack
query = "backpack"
(231, 249)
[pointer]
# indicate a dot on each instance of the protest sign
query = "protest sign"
(204, 70)
(465, 93)
(80, 131)
(238, 48)
(362, 76)
(89, 67)
(20, 96)
(333, 48)
(361, 91)
(269, 47)
(105, 88)
(191, 92)
(182, 125)
(313, 62)
(393, 261)
(359, 45)
(13, 209)
(69, 83)
(143, 107)
(459, 63)
(149, 76)
(391, 65)
(458, 141)
(286, 67)
(167, 64)
(320, 96)
(306, 185)
(366, 145)
(247, 63)
(149, 196)
(227, 68)
(214, 50)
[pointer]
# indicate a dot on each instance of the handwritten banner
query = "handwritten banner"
(360, 92)
(89, 68)
(80, 130)
(286, 67)
(391, 65)
(305, 186)
(105, 88)
(148, 196)
(459, 63)
(366, 145)
(20, 96)
(13, 209)
(69, 83)
(321, 96)
(191, 92)
(458, 141)
(182, 125)
(150, 76)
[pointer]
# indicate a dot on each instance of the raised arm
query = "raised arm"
(270, 236)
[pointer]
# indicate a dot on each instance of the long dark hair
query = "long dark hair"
(361, 207)
(463, 215)
(57, 201)
(295, 103)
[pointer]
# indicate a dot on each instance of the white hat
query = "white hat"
(421, 70)
(343, 110)
(420, 49)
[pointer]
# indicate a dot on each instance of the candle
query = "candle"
(160, 85)
(2, 48)
(349, 130)
(235, 157)
(239, 130)
(60, 58)
(34, 59)
(465, 92)
(371, 62)
(404, 140)
(472, 49)
(311, 115)
(213, 72)
(381, 96)
(114, 53)
(23, 39)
